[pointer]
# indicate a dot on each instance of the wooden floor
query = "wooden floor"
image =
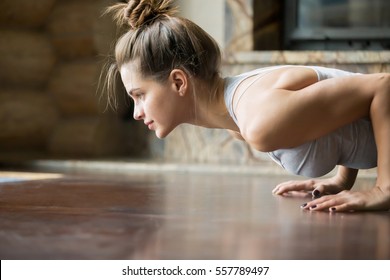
(175, 216)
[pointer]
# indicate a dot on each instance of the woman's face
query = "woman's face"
(160, 106)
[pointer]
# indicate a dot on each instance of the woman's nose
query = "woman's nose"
(138, 113)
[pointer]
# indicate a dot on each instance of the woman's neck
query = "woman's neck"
(213, 113)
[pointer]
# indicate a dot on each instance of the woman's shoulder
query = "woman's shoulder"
(232, 83)
(291, 71)
(288, 77)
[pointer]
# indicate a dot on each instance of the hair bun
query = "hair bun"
(140, 12)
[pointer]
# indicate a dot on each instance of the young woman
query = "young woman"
(308, 119)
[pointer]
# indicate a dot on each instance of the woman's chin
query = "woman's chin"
(162, 133)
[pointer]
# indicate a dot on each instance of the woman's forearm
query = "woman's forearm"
(346, 177)
(380, 117)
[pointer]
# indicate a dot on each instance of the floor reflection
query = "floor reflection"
(177, 216)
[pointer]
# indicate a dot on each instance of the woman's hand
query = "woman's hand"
(314, 187)
(375, 199)
(343, 180)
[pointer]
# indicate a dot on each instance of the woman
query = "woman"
(309, 119)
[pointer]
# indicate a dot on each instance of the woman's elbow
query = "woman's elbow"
(386, 79)
(261, 141)
(382, 83)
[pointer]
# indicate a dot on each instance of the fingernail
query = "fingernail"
(316, 193)
(313, 207)
(303, 205)
(333, 209)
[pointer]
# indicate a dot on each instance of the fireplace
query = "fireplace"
(337, 24)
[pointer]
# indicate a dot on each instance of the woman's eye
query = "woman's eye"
(138, 95)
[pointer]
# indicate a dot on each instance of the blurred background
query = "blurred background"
(52, 53)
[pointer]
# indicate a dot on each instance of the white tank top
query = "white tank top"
(352, 145)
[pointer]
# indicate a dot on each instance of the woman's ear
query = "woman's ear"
(179, 80)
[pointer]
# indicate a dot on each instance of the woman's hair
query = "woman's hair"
(158, 42)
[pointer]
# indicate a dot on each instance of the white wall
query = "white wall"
(208, 14)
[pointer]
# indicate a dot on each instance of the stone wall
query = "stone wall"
(27, 57)
(51, 56)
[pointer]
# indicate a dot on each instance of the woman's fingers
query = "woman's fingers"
(349, 201)
(326, 188)
(290, 186)
(327, 203)
(318, 187)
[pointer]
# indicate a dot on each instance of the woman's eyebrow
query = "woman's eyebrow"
(131, 91)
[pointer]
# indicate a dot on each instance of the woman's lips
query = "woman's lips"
(149, 124)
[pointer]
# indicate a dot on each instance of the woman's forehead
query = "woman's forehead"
(132, 78)
(130, 72)
(129, 68)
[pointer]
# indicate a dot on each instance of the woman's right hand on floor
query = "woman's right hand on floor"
(311, 187)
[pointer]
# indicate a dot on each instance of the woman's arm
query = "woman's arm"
(236, 135)
(272, 118)
(377, 198)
